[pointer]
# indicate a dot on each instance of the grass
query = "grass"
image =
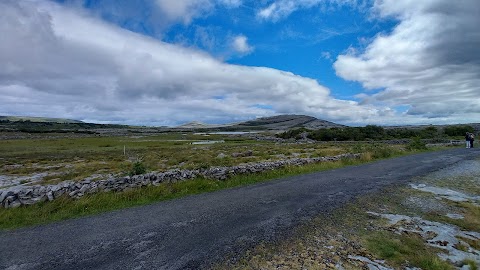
(398, 249)
(80, 157)
(470, 212)
(77, 158)
(471, 264)
(102, 155)
(65, 208)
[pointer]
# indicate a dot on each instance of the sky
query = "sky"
(168, 62)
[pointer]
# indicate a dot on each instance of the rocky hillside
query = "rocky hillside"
(283, 122)
(279, 122)
(200, 125)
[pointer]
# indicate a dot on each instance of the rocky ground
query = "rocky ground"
(433, 223)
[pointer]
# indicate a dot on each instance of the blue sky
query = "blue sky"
(166, 62)
(305, 43)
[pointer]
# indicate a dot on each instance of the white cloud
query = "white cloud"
(187, 10)
(184, 10)
(240, 45)
(430, 62)
(281, 9)
(59, 62)
(326, 55)
(231, 3)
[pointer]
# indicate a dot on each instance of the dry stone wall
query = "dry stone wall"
(27, 195)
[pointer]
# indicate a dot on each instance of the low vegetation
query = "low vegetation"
(399, 249)
(77, 158)
(372, 132)
(417, 144)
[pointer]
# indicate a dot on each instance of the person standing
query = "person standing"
(472, 138)
(467, 140)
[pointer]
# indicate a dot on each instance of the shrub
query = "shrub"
(138, 168)
(458, 130)
(293, 133)
(381, 151)
(416, 144)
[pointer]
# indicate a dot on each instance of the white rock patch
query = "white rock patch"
(444, 236)
(447, 194)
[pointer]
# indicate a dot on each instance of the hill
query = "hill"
(200, 125)
(282, 122)
(279, 122)
(39, 119)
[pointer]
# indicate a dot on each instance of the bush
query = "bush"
(458, 130)
(138, 168)
(381, 151)
(293, 133)
(416, 144)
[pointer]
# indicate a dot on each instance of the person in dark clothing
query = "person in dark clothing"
(472, 138)
(467, 140)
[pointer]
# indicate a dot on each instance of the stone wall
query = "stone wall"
(27, 195)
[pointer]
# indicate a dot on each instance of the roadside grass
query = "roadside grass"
(468, 184)
(470, 212)
(471, 264)
(65, 208)
(398, 249)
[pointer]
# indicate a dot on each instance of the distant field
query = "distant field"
(51, 159)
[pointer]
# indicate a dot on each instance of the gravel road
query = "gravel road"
(191, 232)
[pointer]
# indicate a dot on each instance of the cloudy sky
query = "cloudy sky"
(167, 62)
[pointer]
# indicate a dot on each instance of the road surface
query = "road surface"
(191, 232)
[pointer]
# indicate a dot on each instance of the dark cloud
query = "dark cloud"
(430, 61)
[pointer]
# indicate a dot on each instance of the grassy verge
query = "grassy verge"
(65, 208)
(398, 249)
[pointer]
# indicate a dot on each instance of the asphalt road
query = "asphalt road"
(191, 232)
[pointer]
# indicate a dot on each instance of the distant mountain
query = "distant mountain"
(200, 125)
(39, 119)
(283, 122)
(279, 122)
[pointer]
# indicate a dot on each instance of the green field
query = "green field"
(75, 158)
(79, 157)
